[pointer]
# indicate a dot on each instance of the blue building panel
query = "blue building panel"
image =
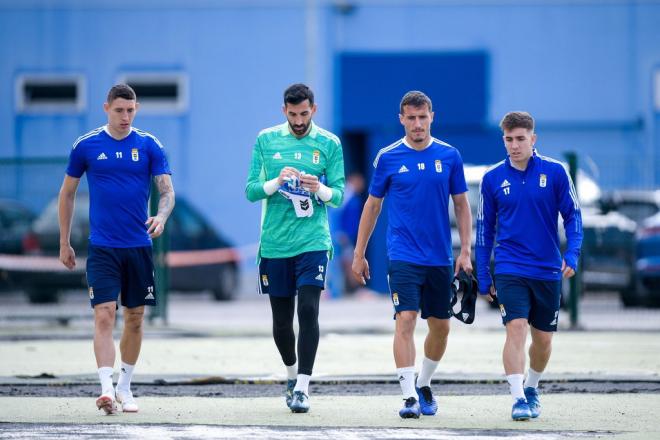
(372, 85)
(582, 68)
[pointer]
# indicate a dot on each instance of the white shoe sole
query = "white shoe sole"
(128, 407)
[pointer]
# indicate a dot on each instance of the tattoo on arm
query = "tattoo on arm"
(166, 190)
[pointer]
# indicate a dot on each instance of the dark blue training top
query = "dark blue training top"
(418, 185)
(520, 211)
(119, 178)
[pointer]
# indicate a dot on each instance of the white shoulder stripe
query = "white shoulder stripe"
(481, 240)
(87, 135)
(441, 142)
(329, 135)
(147, 134)
(385, 150)
(480, 217)
(492, 167)
(572, 191)
(550, 159)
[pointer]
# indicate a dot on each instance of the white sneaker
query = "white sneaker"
(106, 402)
(127, 401)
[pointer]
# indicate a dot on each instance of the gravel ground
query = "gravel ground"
(327, 389)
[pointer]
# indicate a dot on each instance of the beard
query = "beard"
(299, 130)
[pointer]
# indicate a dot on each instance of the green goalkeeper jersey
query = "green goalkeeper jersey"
(283, 233)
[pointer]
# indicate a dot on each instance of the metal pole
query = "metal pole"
(161, 272)
(575, 281)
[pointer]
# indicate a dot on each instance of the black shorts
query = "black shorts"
(426, 288)
(531, 299)
(283, 277)
(125, 271)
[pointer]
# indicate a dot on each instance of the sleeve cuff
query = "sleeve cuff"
(271, 187)
(324, 193)
(484, 285)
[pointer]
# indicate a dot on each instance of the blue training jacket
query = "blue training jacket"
(519, 210)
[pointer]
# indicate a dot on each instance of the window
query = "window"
(50, 93)
(159, 92)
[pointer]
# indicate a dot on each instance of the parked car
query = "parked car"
(607, 252)
(15, 220)
(647, 264)
(637, 205)
(608, 244)
(213, 267)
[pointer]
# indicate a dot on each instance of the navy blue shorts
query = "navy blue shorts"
(534, 300)
(125, 271)
(283, 277)
(426, 288)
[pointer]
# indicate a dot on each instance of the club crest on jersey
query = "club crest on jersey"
(543, 180)
(395, 298)
(264, 280)
(502, 311)
(316, 157)
(134, 154)
(438, 166)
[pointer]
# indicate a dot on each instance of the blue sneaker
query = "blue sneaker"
(410, 409)
(427, 402)
(532, 396)
(299, 403)
(520, 410)
(288, 394)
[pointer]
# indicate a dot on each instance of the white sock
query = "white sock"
(125, 376)
(516, 386)
(302, 383)
(428, 368)
(406, 377)
(533, 378)
(292, 371)
(105, 376)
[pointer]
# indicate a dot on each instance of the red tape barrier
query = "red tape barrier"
(40, 263)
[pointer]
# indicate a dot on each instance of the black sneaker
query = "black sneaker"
(288, 393)
(300, 402)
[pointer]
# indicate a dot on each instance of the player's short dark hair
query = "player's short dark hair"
(297, 93)
(514, 120)
(121, 91)
(416, 99)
